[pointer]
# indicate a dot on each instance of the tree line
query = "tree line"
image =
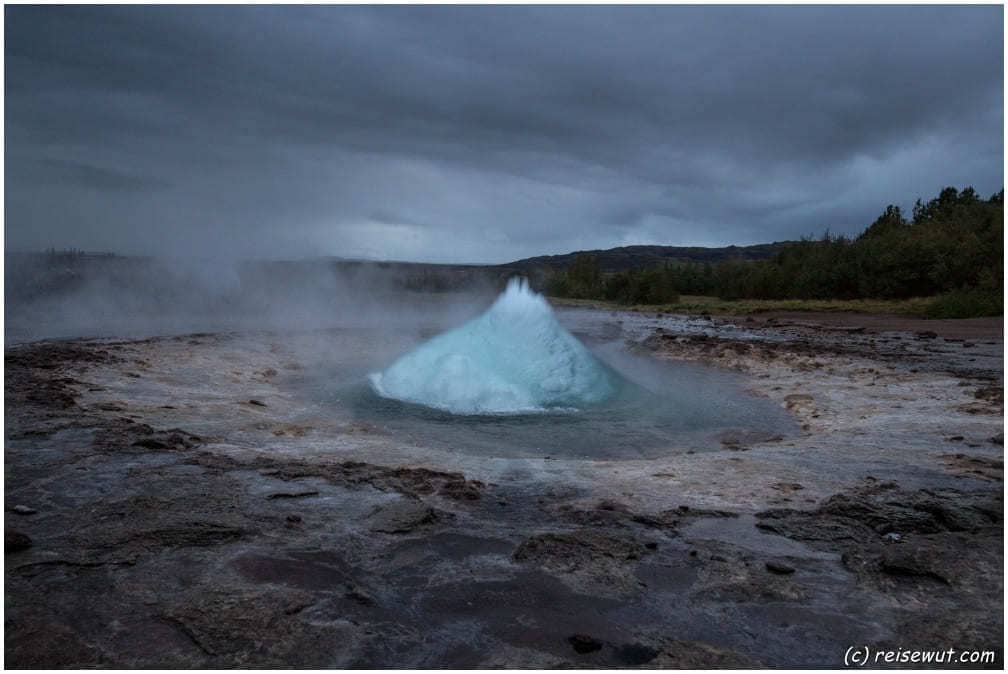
(951, 245)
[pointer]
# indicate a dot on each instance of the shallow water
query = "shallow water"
(659, 408)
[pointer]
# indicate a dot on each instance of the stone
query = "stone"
(404, 516)
(582, 643)
(299, 494)
(779, 568)
(15, 541)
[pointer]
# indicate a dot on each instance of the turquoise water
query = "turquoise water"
(656, 408)
(515, 358)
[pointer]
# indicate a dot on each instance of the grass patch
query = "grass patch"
(952, 305)
(965, 304)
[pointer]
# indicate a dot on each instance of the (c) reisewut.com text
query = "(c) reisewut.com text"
(865, 656)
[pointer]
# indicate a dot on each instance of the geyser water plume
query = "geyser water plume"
(514, 358)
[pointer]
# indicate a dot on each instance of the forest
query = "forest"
(949, 249)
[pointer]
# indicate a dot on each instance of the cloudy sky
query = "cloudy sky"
(485, 134)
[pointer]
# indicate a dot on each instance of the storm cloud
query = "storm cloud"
(486, 134)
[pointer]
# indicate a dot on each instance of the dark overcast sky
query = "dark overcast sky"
(486, 134)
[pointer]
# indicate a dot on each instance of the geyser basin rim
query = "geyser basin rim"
(515, 358)
(661, 409)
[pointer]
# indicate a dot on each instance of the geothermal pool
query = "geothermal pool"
(514, 382)
(667, 408)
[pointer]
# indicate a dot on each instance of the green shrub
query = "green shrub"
(966, 304)
(952, 247)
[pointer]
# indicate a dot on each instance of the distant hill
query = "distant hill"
(639, 257)
(32, 276)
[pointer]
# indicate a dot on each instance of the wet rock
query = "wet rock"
(698, 655)
(926, 334)
(586, 559)
(320, 570)
(779, 568)
(36, 374)
(358, 596)
(35, 639)
(404, 516)
(978, 467)
(287, 495)
(582, 643)
(945, 534)
(125, 435)
(406, 480)
(734, 580)
(461, 490)
(866, 513)
(195, 534)
(15, 541)
(992, 393)
(110, 407)
(970, 628)
(925, 558)
(798, 400)
(606, 513)
(742, 439)
(167, 441)
(635, 655)
(578, 549)
(687, 512)
(411, 481)
(292, 430)
(262, 627)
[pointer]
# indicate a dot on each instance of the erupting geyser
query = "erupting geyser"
(514, 358)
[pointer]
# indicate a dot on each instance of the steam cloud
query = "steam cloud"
(52, 296)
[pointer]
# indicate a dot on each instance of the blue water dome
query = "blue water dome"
(515, 358)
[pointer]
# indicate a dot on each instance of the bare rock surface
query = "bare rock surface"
(177, 524)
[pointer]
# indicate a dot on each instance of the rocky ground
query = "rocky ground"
(172, 503)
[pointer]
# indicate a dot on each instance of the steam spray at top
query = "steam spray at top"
(514, 358)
